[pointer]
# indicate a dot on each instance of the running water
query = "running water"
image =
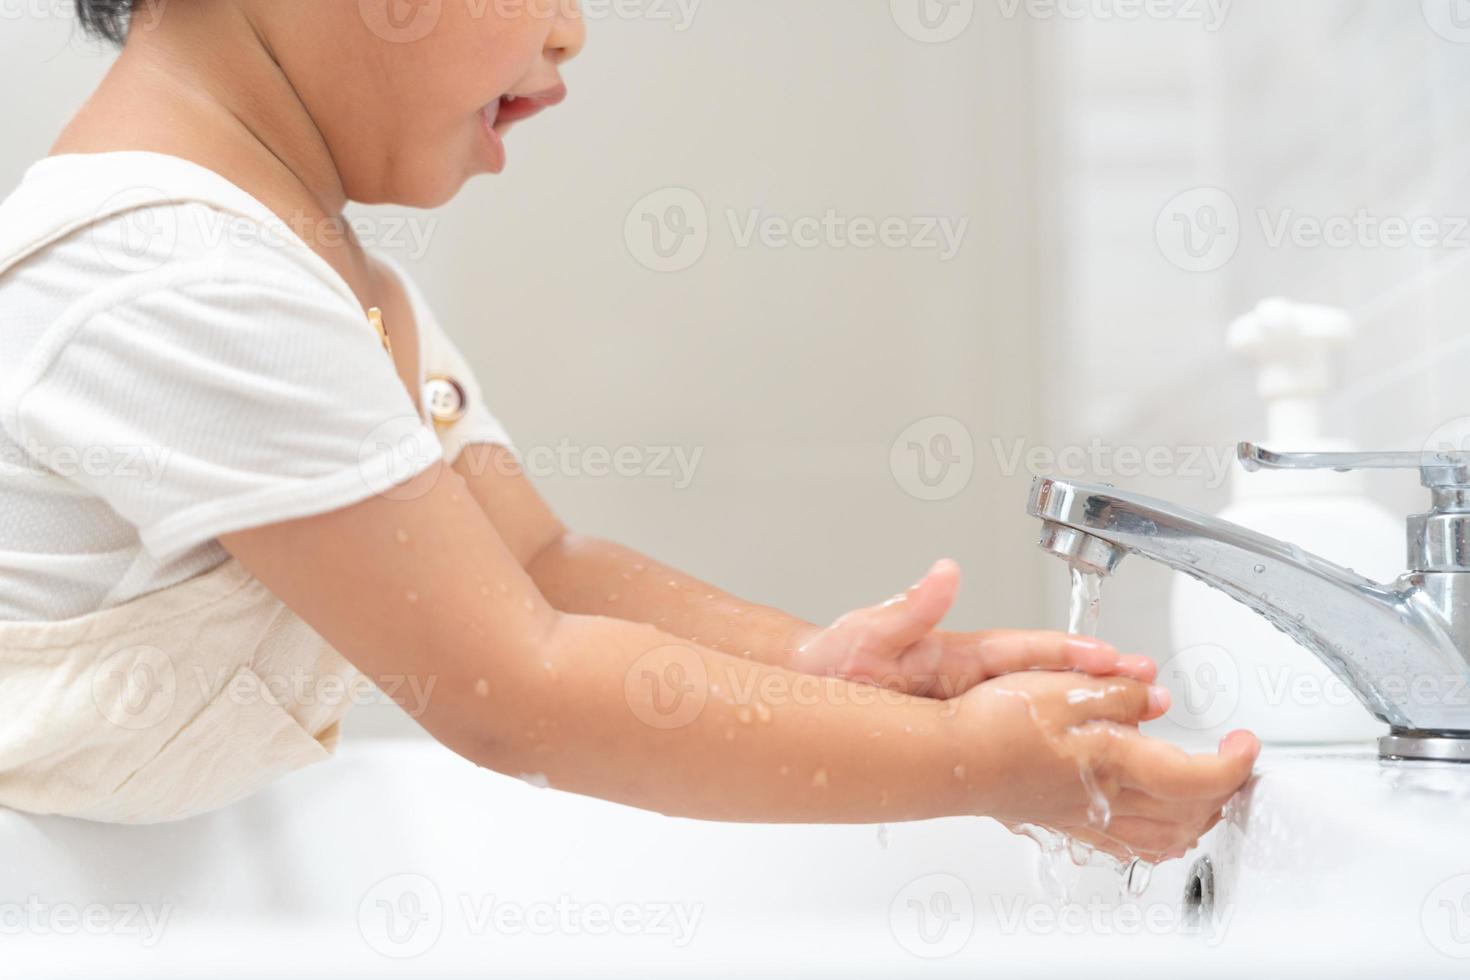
(1086, 602)
(1063, 857)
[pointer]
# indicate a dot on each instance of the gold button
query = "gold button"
(375, 317)
(445, 399)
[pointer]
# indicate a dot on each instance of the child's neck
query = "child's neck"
(202, 84)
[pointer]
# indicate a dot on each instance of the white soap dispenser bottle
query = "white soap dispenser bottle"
(1231, 668)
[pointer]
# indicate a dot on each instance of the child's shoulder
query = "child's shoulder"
(127, 221)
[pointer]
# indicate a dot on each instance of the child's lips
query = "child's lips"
(509, 109)
(513, 108)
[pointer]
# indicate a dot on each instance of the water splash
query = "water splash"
(1064, 859)
(1137, 877)
(1050, 870)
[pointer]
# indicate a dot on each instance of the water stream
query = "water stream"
(1086, 607)
(1064, 858)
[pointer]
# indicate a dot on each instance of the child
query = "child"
(248, 464)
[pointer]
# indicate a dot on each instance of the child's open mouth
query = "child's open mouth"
(509, 109)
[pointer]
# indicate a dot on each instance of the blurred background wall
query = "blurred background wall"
(1337, 122)
(861, 409)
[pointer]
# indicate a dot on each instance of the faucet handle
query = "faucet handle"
(1438, 469)
(1439, 541)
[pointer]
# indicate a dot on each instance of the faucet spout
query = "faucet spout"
(1391, 644)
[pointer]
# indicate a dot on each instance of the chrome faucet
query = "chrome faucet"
(1402, 648)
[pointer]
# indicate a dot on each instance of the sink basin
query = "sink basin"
(398, 857)
(1342, 842)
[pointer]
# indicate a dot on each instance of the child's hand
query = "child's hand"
(1065, 752)
(895, 645)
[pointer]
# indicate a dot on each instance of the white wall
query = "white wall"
(1312, 109)
(793, 370)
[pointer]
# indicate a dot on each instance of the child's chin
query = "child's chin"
(439, 194)
(428, 190)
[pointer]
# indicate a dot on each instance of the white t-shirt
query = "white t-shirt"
(178, 371)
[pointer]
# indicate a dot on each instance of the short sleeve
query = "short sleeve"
(232, 397)
(443, 363)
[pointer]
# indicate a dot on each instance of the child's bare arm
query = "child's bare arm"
(422, 585)
(895, 644)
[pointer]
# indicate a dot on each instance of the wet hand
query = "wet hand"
(1065, 753)
(896, 645)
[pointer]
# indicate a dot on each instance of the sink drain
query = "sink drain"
(1199, 894)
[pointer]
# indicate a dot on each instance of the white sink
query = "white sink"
(399, 858)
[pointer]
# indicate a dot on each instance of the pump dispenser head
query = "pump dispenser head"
(1293, 344)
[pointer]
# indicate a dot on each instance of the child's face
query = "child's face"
(405, 91)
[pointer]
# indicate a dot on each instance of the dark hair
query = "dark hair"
(105, 18)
